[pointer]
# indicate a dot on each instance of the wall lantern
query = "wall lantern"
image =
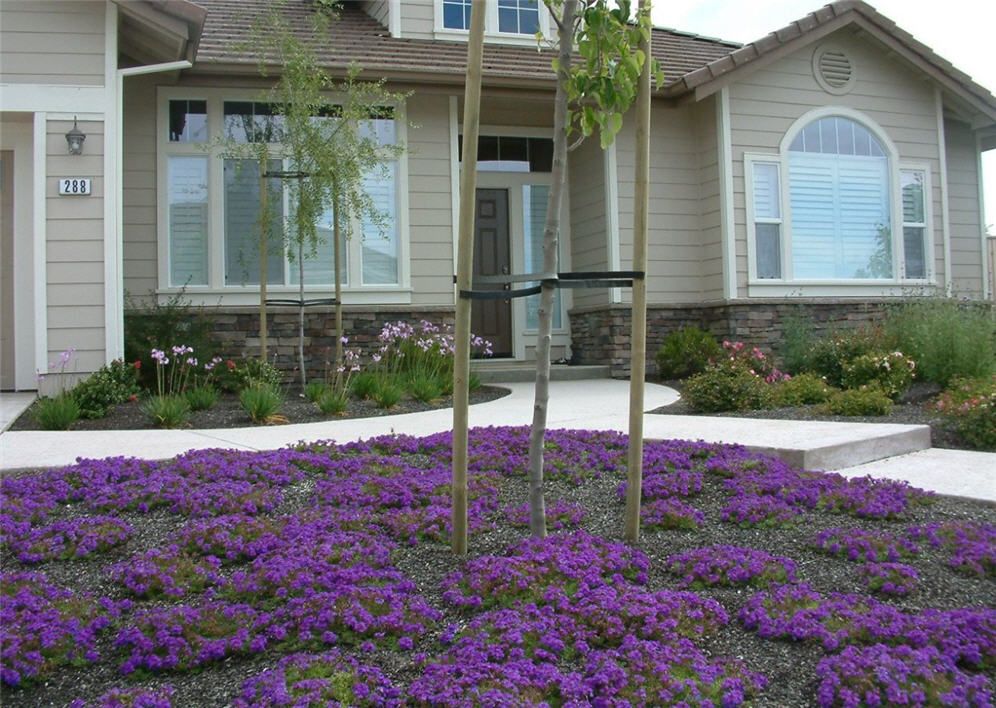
(75, 138)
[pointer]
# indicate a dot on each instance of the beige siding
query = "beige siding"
(429, 201)
(710, 215)
(674, 273)
(75, 248)
(380, 10)
(417, 19)
(965, 223)
(589, 234)
(764, 105)
(139, 186)
(52, 42)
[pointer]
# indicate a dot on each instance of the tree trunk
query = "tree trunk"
(465, 265)
(263, 225)
(337, 266)
(300, 312)
(638, 335)
(551, 234)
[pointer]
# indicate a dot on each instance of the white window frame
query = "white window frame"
(787, 285)
(491, 33)
(928, 230)
(217, 292)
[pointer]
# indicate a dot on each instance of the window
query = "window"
(534, 200)
(508, 153)
(456, 14)
(767, 220)
(914, 223)
(515, 21)
(826, 209)
(210, 213)
(187, 198)
(518, 16)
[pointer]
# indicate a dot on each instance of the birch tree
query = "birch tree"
(598, 66)
(325, 137)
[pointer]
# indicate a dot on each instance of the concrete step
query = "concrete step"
(812, 445)
(491, 372)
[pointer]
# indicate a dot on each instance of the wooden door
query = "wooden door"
(7, 270)
(492, 319)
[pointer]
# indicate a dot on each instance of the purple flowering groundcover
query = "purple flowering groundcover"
(321, 575)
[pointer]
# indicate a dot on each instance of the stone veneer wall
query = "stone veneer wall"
(601, 335)
(236, 331)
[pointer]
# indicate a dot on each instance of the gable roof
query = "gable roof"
(693, 66)
(816, 25)
(356, 36)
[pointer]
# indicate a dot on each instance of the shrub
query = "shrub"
(892, 373)
(236, 375)
(260, 401)
(753, 360)
(801, 390)
(150, 323)
(686, 352)
(57, 413)
(167, 411)
(831, 353)
(945, 337)
(201, 398)
(726, 388)
(970, 406)
(798, 339)
(111, 384)
(859, 402)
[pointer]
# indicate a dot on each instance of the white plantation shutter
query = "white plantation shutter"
(534, 201)
(840, 215)
(767, 220)
(187, 197)
(242, 225)
(380, 241)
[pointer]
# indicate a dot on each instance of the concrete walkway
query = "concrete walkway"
(854, 449)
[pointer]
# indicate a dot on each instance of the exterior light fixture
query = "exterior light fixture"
(75, 138)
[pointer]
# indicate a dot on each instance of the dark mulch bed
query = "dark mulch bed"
(912, 409)
(228, 413)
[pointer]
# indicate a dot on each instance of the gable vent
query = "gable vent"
(835, 68)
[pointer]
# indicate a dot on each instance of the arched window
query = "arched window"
(823, 209)
(838, 178)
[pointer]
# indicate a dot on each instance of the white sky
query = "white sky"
(958, 30)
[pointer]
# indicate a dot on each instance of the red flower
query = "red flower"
(132, 398)
(138, 363)
(230, 364)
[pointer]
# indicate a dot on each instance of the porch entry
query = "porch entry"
(7, 382)
(492, 319)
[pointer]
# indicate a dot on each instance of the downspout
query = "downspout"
(119, 169)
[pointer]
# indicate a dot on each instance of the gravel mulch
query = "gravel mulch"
(789, 666)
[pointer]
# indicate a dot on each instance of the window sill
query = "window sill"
(248, 297)
(522, 40)
(838, 288)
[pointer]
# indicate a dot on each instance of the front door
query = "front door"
(492, 319)
(7, 270)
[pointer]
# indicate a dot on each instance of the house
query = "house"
(832, 165)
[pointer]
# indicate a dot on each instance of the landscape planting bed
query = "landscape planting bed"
(324, 571)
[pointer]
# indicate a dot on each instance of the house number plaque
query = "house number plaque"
(74, 186)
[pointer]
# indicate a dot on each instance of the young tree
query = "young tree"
(331, 150)
(592, 94)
